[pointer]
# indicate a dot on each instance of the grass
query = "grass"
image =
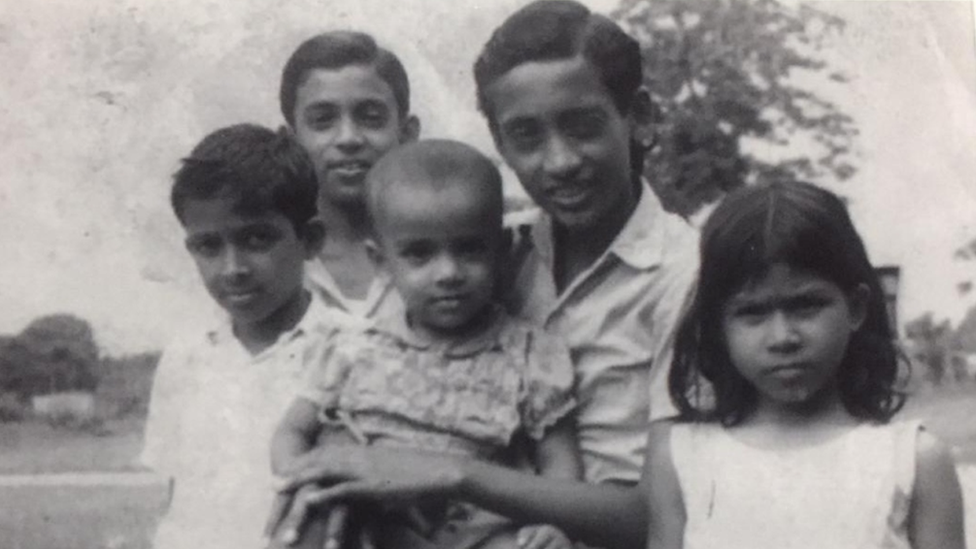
(52, 517)
(33, 446)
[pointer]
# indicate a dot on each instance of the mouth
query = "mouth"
(788, 371)
(450, 301)
(569, 197)
(240, 297)
(349, 168)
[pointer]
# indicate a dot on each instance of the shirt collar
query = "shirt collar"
(640, 243)
(316, 316)
(489, 339)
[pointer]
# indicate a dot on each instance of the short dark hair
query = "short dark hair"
(550, 30)
(807, 228)
(434, 164)
(336, 50)
(259, 169)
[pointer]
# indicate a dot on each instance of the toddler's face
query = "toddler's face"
(441, 248)
(251, 264)
(561, 133)
(346, 119)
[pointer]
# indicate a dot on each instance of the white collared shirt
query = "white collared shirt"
(381, 298)
(213, 409)
(618, 318)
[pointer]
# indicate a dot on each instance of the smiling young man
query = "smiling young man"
(607, 268)
(347, 102)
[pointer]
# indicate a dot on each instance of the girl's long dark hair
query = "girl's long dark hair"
(809, 229)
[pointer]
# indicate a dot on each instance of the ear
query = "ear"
(409, 129)
(645, 116)
(313, 236)
(857, 303)
(375, 253)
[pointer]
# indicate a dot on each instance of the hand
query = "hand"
(542, 536)
(361, 472)
(358, 472)
(282, 531)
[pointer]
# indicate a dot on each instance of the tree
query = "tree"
(54, 353)
(723, 72)
(931, 345)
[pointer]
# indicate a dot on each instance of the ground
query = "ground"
(118, 510)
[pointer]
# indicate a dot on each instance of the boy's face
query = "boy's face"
(563, 136)
(250, 263)
(346, 119)
(441, 248)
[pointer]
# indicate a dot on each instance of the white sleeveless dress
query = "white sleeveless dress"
(851, 492)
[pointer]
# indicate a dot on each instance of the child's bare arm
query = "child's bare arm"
(557, 455)
(936, 519)
(295, 434)
(665, 506)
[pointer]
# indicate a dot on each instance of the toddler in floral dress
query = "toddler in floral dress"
(452, 372)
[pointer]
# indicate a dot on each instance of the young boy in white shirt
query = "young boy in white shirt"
(246, 198)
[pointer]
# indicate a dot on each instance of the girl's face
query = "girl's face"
(787, 334)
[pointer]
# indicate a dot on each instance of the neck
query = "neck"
(343, 224)
(259, 335)
(577, 248)
(823, 411)
(475, 326)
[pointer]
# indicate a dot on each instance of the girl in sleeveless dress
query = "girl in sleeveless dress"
(785, 375)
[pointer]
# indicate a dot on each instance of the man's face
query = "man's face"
(559, 130)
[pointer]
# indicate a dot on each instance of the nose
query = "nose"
(561, 158)
(783, 334)
(448, 270)
(235, 265)
(350, 136)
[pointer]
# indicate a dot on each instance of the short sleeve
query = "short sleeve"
(549, 383)
(162, 431)
(327, 369)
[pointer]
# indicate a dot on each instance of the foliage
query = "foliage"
(931, 346)
(724, 72)
(125, 384)
(52, 354)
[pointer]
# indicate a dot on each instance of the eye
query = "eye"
(584, 124)
(524, 134)
(471, 247)
(416, 253)
(321, 117)
(806, 306)
(749, 313)
(204, 245)
(258, 239)
(373, 114)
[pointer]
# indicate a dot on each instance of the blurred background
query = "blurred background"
(874, 100)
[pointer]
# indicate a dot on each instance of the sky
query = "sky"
(101, 98)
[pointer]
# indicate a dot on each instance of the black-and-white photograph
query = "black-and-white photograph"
(548, 274)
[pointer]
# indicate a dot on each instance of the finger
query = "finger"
(339, 492)
(335, 526)
(294, 521)
(279, 508)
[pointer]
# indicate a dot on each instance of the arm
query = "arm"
(602, 514)
(665, 507)
(557, 454)
(936, 516)
(295, 435)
